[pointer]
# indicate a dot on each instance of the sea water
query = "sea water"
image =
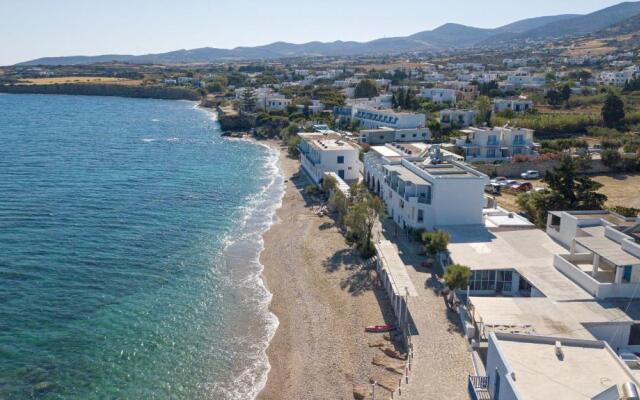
(129, 239)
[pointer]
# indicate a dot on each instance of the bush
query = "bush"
(628, 212)
(312, 190)
(457, 276)
(551, 123)
(435, 242)
(611, 158)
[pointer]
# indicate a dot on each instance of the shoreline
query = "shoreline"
(321, 299)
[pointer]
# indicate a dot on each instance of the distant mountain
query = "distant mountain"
(585, 24)
(627, 26)
(532, 23)
(447, 36)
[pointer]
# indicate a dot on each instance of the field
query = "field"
(594, 47)
(80, 79)
(621, 189)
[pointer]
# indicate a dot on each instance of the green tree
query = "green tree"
(457, 276)
(613, 111)
(566, 191)
(363, 212)
(485, 109)
(611, 157)
(366, 88)
(435, 242)
(553, 97)
(566, 94)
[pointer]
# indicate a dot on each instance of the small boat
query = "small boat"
(379, 328)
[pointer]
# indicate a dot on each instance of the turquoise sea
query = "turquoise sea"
(129, 237)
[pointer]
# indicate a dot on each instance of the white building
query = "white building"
(424, 189)
(457, 117)
(530, 367)
(315, 107)
(438, 95)
(498, 143)
(276, 103)
(515, 105)
(328, 152)
(604, 258)
(373, 118)
(526, 81)
(388, 135)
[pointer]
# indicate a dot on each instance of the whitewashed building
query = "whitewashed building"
(424, 189)
(498, 143)
(604, 257)
(328, 152)
(531, 367)
(515, 105)
(457, 117)
(377, 118)
(388, 135)
(438, 95)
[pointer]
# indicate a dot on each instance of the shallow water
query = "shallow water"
(129, 237)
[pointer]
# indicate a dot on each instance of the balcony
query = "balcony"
(479, 387)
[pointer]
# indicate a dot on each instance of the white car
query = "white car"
(531, 174)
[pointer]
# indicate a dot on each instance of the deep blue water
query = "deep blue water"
(129, 234)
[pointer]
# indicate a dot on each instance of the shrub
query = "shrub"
(629, 212)
(457, 276)
(611, 158)
(435, 242)
(311, 189)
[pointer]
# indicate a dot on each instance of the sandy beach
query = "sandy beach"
(322, 300)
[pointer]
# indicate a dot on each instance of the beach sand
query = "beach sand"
(322, 301)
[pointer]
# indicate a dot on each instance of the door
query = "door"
(626, 275)
(341, 173)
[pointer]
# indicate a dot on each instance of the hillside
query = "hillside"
(446, 37)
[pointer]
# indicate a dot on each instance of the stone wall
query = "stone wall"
(514, 169)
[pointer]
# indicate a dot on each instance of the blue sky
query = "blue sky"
(40, 28)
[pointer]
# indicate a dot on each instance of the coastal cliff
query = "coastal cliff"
(89, 89)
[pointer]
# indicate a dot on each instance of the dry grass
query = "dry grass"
(596, 47)
(80, 79)
(621, 190)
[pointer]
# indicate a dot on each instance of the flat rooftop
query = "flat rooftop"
(528, 251)
(446, 169)
(406, 175)
(332, 144)
(385, 151)
(542, 316)
(586, 368)
(612, 251)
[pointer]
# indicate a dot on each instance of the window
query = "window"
(340, 159)
(420, 216)
(483, 280)
(491, 153)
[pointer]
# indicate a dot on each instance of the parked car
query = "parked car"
(508, 183)
(531, 174)
(521, 187)
(499, 179)
(541, 190)
(493, 188)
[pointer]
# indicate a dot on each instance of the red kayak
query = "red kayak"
(379, 328)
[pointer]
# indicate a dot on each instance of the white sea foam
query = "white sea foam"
(260, 209)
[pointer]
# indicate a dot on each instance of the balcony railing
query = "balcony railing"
(479, 387)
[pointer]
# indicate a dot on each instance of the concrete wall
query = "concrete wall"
(457, 202)
(514, 169)
(615, 334)
(563, 263)
(496, 366)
